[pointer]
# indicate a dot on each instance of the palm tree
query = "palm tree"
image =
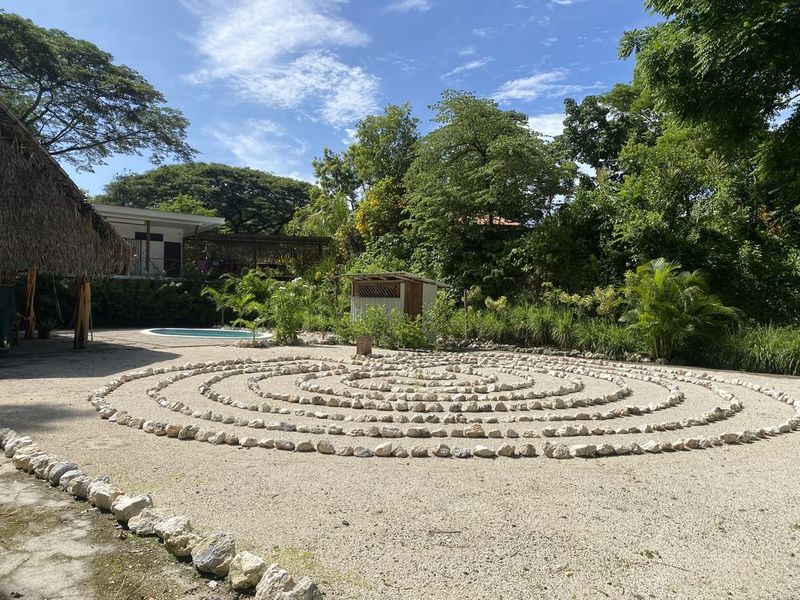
(668, 306)
(222, 298)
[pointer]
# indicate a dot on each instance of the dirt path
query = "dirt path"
(54, 547)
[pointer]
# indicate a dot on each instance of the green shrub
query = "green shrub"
(668, 306)
(563, 329)
(287, 308)
(410, 333)
(344, 330)
(378, 326)
(759, 348)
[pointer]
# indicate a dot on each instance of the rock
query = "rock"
(144, 524)
(605, 450)
(214, 553)
(561, 451)
(101, 494)
(277, 584)
(527, 450)
(125, 507)
(419, 452)
(325, 447)
(63, 482)
(474, 431)
(246, 570)
(730, 438)
(304, 446)
(79, 486)
(181, 544)
(384, 449)
(462, 452)
(281, 444)
(484, 452)
(173, 526)
(506, 450)
(583, 450)
(248, 442)
(622, 449)
(362, 452)
(345, 451)
(58, 469)
(442, 451)
(651, 446)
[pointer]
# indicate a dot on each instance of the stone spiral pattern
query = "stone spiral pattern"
(485, 405)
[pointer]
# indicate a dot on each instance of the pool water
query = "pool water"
(229, 334)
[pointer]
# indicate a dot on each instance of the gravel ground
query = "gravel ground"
(703, 524)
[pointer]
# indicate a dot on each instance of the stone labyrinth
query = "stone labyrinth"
(448, 405)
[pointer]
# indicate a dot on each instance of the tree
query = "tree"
(79, 103)
(481, 168)
(597, 129)
(249, 200)
(384, 146)
(668, 306)
(187, 205)
(732, 67)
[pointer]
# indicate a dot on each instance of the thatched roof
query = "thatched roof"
(45, 220)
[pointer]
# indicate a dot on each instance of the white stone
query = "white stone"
(126, 507)
(246, 570)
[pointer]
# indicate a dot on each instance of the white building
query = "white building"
(155, 236)
(407, 293)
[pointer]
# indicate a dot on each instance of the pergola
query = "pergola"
(47, 225)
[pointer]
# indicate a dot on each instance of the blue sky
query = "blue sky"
(268, 83)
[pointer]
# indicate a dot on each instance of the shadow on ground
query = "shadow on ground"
(35, 416)
(55, 358)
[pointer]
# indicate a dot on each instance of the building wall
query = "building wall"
(358, 306)
(428, 296)
(129, 230)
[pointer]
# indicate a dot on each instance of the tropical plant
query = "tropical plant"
(249, 312)
(286, 309)
(221, 296)
(668, 306)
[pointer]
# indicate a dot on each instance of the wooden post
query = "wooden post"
(147, 246)
(30, 292)
(83, 307)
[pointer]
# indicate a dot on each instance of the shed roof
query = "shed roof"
(45, 220)
(394, 276)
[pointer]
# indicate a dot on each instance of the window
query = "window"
(154, 237)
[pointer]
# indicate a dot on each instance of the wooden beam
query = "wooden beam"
(147, 246)
(83, 308)
(30, 293)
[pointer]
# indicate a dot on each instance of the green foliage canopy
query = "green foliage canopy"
(250, 201)
(81, 104)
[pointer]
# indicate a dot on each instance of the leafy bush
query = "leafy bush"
(760, 348)
(668, 306)
(287, 308)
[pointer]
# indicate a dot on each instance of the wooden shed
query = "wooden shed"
(46, 224)
(407, 293)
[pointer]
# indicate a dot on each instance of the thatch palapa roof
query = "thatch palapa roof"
(45, 220)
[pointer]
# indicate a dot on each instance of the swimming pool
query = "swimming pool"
(225, 334)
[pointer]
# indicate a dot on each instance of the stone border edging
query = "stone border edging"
(212, 554)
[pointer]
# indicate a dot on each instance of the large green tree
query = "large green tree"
(479, 170)
(251, 201)
(81, 104)
(734, 67)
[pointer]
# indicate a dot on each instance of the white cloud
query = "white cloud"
(263, 144)
(566, 2)
(468, 51)
(468, 66)
(550, 41)
(549, 124)
(409, 5)
(281, 54)
(548, 84)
